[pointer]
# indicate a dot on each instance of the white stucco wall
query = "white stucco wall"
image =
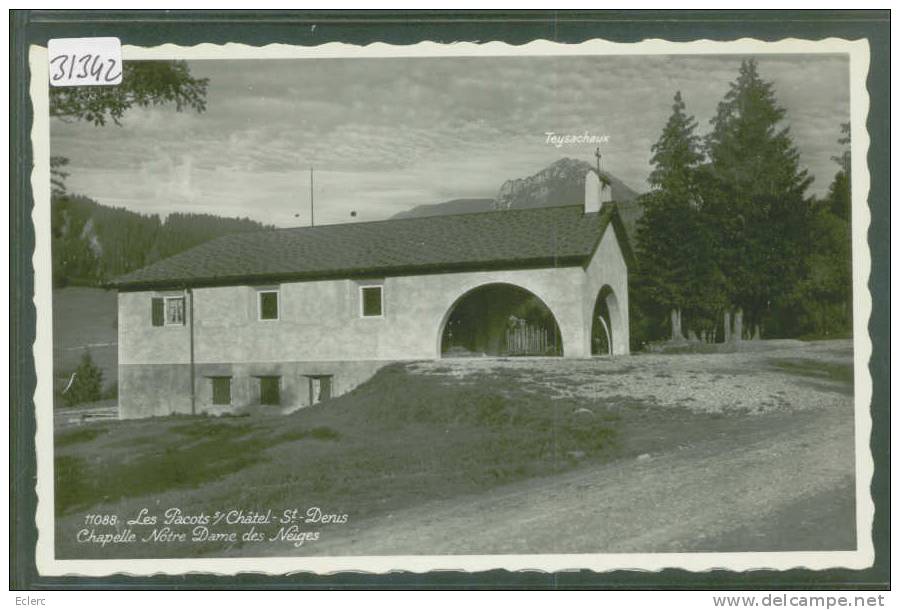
(142, 343)
(608, 268)
(320, 320)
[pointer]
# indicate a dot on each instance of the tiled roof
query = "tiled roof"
(536, 237)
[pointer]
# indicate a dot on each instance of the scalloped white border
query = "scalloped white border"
(863, 557)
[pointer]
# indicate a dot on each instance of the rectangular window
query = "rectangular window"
(158, 311)
(270, 390)
(268, 304)
(174, 311)
(372, 301)
(221, 390)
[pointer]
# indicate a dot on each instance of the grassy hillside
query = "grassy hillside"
(392, 442)
(440, 430)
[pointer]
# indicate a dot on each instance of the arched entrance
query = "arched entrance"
(500, 320)
(605, 321)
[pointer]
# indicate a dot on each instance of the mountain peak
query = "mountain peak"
(560, 183)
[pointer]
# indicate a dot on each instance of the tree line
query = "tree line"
(730, 246)
(94, 243)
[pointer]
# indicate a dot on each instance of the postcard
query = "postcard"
(452, 307)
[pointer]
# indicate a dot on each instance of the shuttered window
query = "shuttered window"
(158, 311)
(221, 390)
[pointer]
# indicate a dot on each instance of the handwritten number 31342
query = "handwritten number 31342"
(85, 67)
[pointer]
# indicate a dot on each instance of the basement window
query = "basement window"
(221, 390)
(268, 304)
(372, 302)
(320, 387)
(270, 391)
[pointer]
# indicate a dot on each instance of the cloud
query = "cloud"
(387, 134)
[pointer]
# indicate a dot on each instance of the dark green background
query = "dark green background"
(258, 28)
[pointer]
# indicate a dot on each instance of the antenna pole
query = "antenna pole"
(312, 208)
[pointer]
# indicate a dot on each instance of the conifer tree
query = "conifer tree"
(824, 296)
(756, 198)
(677, 154)
(839, 191)
(675, 267)
(87, 383)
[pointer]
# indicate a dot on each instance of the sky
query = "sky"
(385, 135)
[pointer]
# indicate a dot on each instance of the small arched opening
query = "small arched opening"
(604, 320)
(500, 320)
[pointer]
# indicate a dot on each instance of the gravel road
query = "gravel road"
(779, 476)
(788, 488)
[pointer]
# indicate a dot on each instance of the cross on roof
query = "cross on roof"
(603, 180)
